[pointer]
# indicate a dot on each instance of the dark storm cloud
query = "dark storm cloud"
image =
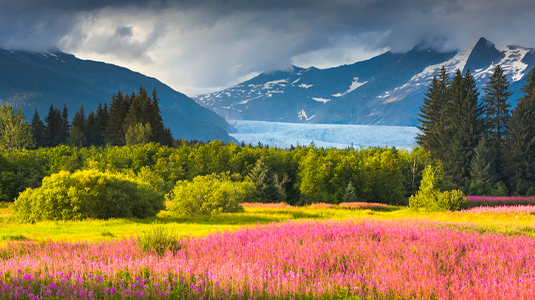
(408, 21)
(214, 43)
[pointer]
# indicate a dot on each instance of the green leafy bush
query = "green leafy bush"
(429, 197)
(209, 195)
(87, 194)
(159, 240)
(451, 200)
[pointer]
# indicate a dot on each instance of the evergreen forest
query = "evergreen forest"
(486, 148)
(476, 145)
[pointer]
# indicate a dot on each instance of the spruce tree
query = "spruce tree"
(350, 195)
(483, 169)
(54, 128)
(102, 122)
(92, 130)
(78, 134)
(464, 127)
(38, 130)
(427, 116)
(265, 183)
(520, 142)
(65, 125)
(161, 134)
(119, 108)
(497, 116)
(80, 120)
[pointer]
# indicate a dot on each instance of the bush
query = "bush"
(159, 241)
(451, 200)
(208, 195)
(87, 194)
(429, 198)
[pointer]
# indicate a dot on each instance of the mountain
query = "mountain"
(385, 90)
(32, 80)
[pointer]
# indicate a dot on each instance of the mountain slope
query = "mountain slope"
(385, 90)
(37, 80)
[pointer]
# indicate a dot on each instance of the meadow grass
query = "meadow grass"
(113, 229)
(312, 252)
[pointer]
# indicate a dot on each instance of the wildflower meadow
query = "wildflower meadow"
(308, 259)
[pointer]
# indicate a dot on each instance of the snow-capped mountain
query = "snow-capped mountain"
(387, 89)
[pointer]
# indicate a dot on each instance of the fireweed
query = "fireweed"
(516, 209)
(504, 198)
(370, 259)
(475, 201)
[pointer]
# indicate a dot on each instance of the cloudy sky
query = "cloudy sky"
(199, 46)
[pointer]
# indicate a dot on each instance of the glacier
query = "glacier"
(284, 135)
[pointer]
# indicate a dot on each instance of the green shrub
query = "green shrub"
(87, 194)
(451, 200)
(429, 197)
(159, 241)
(208, 195)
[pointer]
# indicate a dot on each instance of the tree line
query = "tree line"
(303, 175)
(130, 119)
(485, 146)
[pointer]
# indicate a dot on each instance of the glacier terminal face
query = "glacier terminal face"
(285, 135)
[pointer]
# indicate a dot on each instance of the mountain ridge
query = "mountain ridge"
(384, 90)
(33, 80)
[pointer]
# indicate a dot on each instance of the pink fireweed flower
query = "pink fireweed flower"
(308, 259)
(517, 209)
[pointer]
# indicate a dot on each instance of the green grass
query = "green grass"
(95, 230)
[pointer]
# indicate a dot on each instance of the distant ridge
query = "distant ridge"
(385, 90)
(36, 80)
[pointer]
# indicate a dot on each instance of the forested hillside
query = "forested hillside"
(486, 148)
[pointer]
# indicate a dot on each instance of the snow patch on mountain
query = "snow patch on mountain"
(284, 135)
(511, 64)
(269, 85)
(321, 100)
(354, 85)
(425, 77)
(305, 86)
(303, 115)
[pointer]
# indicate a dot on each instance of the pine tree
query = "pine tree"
(483, 169)
(427, 117)
(432, 115)
(350, 195)
(92, 130)
(38, 130)
(65, 125)
(520, 141)
(54, 128)
(80, 120)
(146, 110)
(102, 122)
(464, 127)
(78, 134)
(161, 134)
(119, 108)
(265, 183)
(497, 115)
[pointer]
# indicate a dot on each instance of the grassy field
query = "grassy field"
(95, 230)
(329, 252)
